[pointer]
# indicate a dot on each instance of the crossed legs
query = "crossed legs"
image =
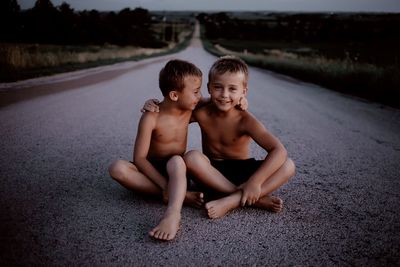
(128, 175)
(199, 165)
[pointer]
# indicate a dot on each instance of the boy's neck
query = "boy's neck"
(167, 105)
(223, 113)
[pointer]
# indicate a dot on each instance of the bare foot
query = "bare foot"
(168, 226)
(194, 199)
(271, 203)
(220, 207)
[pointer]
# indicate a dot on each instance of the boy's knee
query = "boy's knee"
(290, 167)
(192, 157)
(175, 162)
(117, 169)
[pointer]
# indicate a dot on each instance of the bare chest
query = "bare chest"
(222, 132)
(168, 131)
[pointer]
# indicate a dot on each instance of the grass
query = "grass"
(24, 61)
(372, 82)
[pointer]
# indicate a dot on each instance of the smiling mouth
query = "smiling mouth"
(224, 102)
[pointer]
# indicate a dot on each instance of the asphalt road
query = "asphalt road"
(59, 207)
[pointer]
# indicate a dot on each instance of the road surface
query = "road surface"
(59, 206)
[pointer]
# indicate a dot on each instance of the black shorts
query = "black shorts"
(160, 165)
(238, 171)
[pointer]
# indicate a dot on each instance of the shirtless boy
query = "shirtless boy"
(226, 166)
(158, 167)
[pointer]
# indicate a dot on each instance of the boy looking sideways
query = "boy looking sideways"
(226, 166)
(158, 167)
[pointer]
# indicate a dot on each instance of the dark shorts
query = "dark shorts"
(238, 171)
(160, 165)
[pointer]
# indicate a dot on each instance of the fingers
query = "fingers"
(151, 106)
(249, 200)
(243, 199)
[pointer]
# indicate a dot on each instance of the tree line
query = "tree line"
(305, 27)
(49, 24)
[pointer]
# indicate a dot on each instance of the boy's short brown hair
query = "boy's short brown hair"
(228, 64)
(173, 74)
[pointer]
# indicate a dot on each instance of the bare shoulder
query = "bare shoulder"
(200, 112)
(247, 117)
(148, 119)
(248, 121)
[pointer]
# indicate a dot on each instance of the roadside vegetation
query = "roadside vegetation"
(47, 39)
(352, 53)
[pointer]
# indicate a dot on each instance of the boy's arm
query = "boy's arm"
(142, 145)
(277, 155)
(152, 104)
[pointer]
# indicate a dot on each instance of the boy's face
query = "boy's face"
(191, 93)
(227, 89)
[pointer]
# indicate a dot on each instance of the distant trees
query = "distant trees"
(9, 18)
(304, 27)
(46, 23)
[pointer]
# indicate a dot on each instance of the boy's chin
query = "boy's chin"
(224, 107)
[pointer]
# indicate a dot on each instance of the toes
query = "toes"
(211, 213)
(158, 235)
(200, 203)
(164, 236)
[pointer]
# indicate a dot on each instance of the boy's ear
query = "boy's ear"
(173, 95)
(245, 91)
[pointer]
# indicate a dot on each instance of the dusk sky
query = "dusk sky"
(232, 5)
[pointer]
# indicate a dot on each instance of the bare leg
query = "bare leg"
(169, 224)
(199, 165)
(276, 180)
(218, 208)
(126, 173)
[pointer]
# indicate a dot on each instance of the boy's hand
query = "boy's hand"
(151, 105)
(243, 104)
(251, 193)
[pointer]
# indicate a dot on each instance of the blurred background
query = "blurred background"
(350, 48)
